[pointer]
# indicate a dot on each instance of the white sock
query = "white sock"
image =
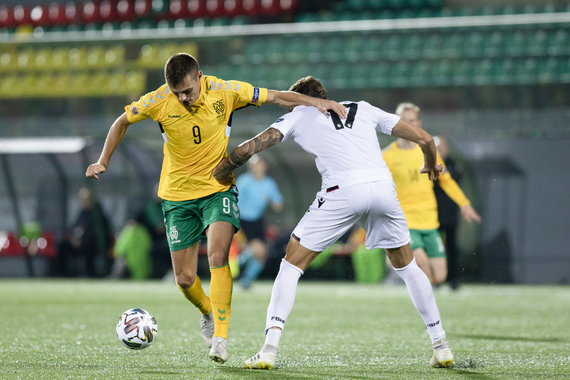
(272, 337)
(282, 300)
(422, 297)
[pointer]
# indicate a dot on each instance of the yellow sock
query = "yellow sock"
(221, 298)
(196, 295)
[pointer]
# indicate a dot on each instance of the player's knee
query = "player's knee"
(185, 280)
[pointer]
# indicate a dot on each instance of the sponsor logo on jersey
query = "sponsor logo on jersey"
(219, 107)
(255, 95)
(321, 201)
(174, 116)
(134, 110)
(280, 120)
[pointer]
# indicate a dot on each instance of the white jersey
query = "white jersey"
(347, 151)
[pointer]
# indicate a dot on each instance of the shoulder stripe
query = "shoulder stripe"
(158, 95)
(229, 85)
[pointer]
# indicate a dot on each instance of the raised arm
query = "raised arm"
(292, 99)
(407, 131)
(114, 137)
(243, 152)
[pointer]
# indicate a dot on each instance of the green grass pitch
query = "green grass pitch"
(66, 330)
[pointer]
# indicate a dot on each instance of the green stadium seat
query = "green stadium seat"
(354, 47)
(558, 43)
(373, 44)
(275, 50)
(502, 71)
(359, 75)
(412, 46)
(432, 45)
(452, 45)
(526, 71)
(564, 70)
(334, 49)
(420, 74)
(339, 76)
(379, 74)
(473, 44)
(461, 73)
(482, 72)
(356, 5)
(441, 73)
(399, 74)
(392, 44)
(549, 70)
(516, 43)
(255, 50)
(494, 44)
(538, 43)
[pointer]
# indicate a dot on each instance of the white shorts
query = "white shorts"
(373, 205)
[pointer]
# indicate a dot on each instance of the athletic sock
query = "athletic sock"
(422, 297)
(252, 270)
(272, 337)
(221, 298)
(282, 299)
(196, 295)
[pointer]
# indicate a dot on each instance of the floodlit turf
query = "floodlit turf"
(66, 329)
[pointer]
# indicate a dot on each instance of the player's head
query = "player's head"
(410, 113)
(257, 166)
(182, 74)
(309, 86)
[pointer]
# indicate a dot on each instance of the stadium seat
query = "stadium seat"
(494, 44)
(441, 73)
(473, 44)
(7, 60)
(482, 72)
(558, 43)
(461, 73)
(78, 58)
(22, 15)
(6, 16)
(515, 44)
(538, 43)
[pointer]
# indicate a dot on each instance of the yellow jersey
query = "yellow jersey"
(195, 140)
(415, 190)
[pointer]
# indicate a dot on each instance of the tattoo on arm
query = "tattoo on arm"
(264, 140)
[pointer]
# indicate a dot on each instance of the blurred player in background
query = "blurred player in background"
(194, 114)
(356, 187)
(256, 192)
(417, 198)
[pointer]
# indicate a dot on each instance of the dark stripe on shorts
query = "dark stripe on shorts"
(296, 237)
(332, 188)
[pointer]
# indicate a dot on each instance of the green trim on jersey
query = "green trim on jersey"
(186, 221)
(430, 241)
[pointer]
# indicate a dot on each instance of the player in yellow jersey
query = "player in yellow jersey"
(194, 113)
(418, 201)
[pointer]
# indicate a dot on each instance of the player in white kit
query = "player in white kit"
(357, 187)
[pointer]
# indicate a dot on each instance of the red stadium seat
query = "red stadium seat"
(108, 11)
(9, 245)
(56, 14)
(71, 13)
(126, 9)
(177, 9)
(90, 12)
(251, 7)
(214, 8)
(6, 16)
(39, 15)
(22, 15)
(232, 8)
(142, 8)
(46, 245)
(196, 8)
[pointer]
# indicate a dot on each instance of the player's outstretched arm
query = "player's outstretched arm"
(292, 99)
(407, 131)
(243, 152)
(114, 137)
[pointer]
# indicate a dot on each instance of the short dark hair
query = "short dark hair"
(309, 86)
(178, 67)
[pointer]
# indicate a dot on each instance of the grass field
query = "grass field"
(66, 329)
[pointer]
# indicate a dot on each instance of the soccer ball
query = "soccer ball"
(136, 329)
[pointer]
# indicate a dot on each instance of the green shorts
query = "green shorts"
(186, 221)
(430, 241)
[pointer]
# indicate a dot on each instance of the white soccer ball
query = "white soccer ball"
(136, 329)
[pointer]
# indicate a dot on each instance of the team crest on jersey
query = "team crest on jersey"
(219, 107)
(174, 235)
(134, 110)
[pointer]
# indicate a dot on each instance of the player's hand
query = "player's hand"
(94, 170)
(432, 173)
(325, 105)
(469, 214)
(223, 173)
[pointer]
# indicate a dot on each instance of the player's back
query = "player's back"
(346, 151)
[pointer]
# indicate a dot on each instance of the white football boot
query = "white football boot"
(218, 353)
(264, 359)
(442, 356)
(207, 327)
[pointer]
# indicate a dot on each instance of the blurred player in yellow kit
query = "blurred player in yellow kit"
(194, 114)
(418, 201)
